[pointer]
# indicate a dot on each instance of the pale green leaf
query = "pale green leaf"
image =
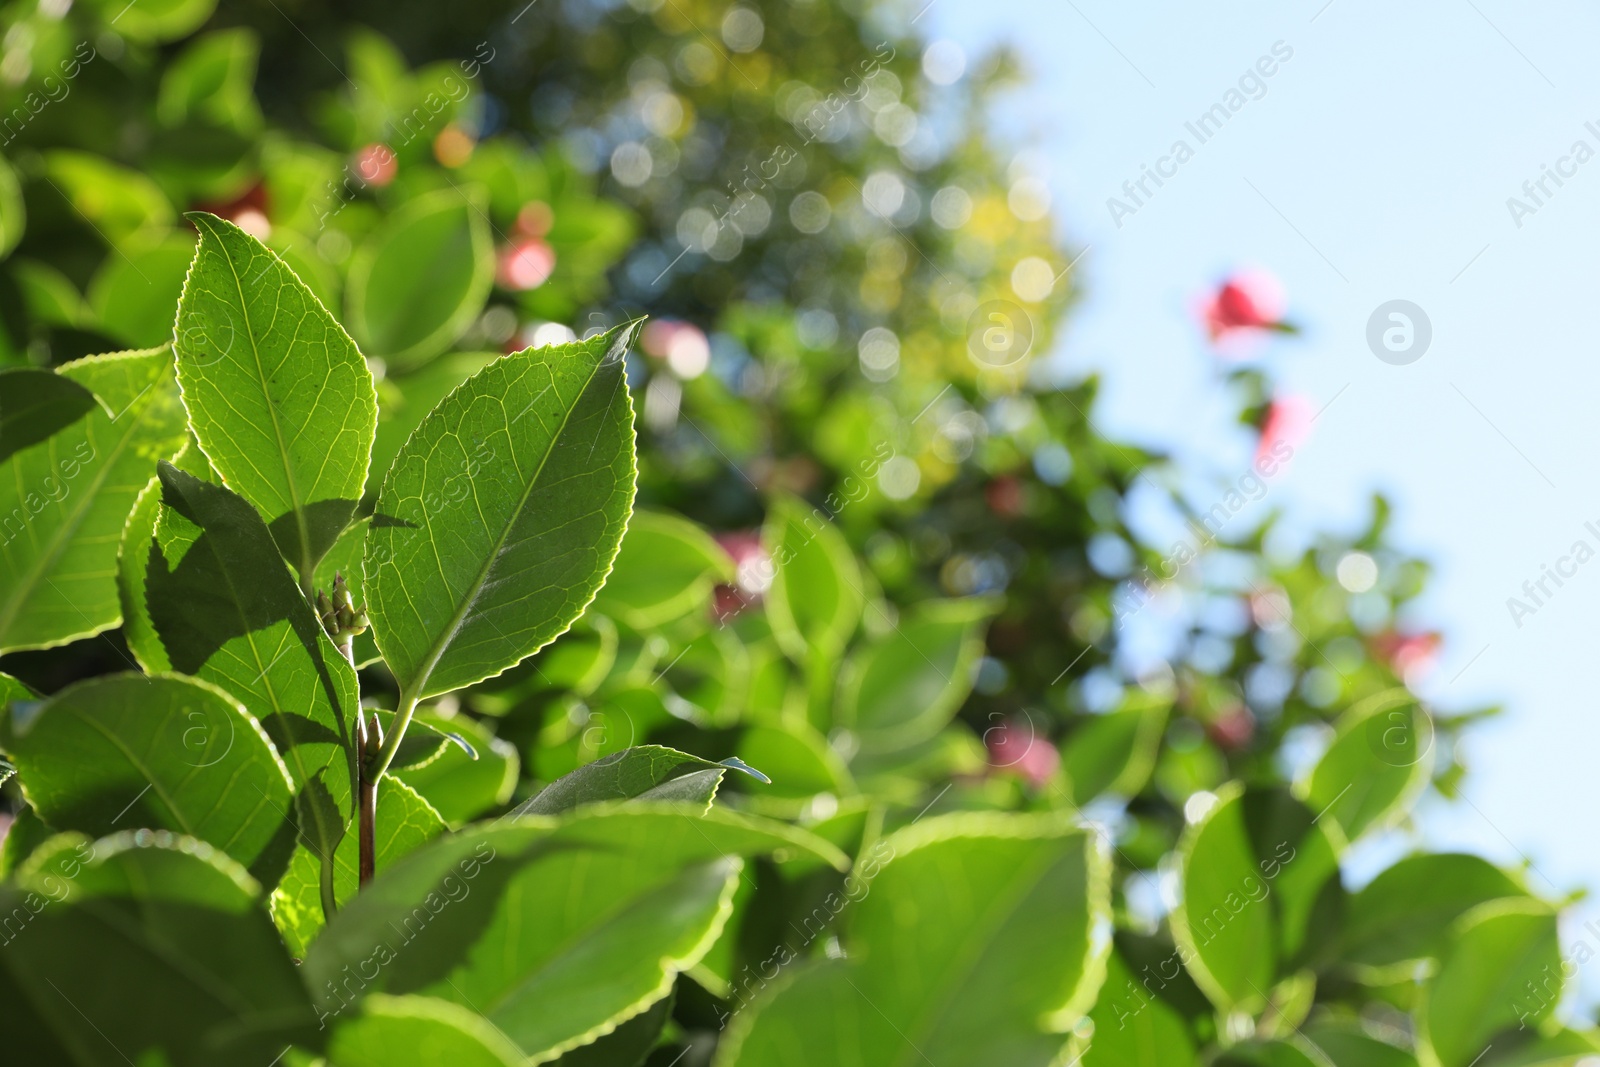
(1406, 912)
(648, 771)
(500, 518)
(1380, 760)
(906, 686)
(278, 396)
(978, 940)
(406, 315)
(419, 1032)
(816, 596)
(120, 203)
(1501, 970)
(133, 294)
(213, 81)
(1115, 752)
(13, 216)
(555, 930)
(458, 784)
(1253, 868)
(1133, 1026)
(666, 567)
(75, 450)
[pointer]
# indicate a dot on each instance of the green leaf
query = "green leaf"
(649, 772)
(906, 686)
(1406, 912)
(666, 568)
(1347, 1044)
(1253, 868)
(404, 823)
(975, 943)
(815, 599)
(278, 396)
(459, 785)
(126, 751)
(556, 930)
(403, 402)
(1564, 1048)
(1115, 753)
(13, 216)
(419, 1032)
(223, 608)
(133, 561)
(79, 446)
(199, 975)
(799, 762)
(121, 203)
(406, 315)
(156, 20)
(344, 559)
(1501, 970)
(1380, 760)
(1291, 1053)
(133, 294)
(628, 1044)
(500, 518)
(213, 81)
(1133, 1026)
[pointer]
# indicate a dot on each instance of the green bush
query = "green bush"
(540, 534)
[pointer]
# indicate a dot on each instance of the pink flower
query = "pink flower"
(1409, 655)
(525, 264)
(1242, 308)
(752, 574)
(1234, 729)
(1286, 426)
(1017, 747)
(683, 345)
(376, 164)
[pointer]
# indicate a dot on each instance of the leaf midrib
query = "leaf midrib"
(295, 503)
(296, 749)
(442, 645)
(62, 536)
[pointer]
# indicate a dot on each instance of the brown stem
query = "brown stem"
(367, 818)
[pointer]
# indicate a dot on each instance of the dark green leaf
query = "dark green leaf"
(647, 771)
(184, 963)
(223, 607)
(127, 751)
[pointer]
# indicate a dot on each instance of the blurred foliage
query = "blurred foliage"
(926, 571)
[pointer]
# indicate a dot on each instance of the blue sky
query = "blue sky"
(1376, 164)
